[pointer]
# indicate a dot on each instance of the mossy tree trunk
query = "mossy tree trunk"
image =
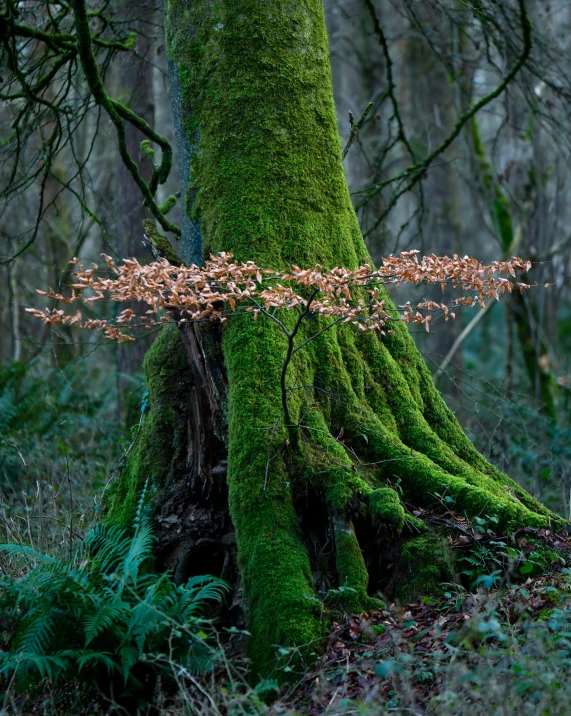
(369, 424)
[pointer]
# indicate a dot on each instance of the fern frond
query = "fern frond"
(199, 590)
(145, 620)
(107, 599)
(129, 656)
(29, 553)
(86, 657)
(139, 513)
(109, 546)
(56, 578)
(103, 616)
(140, 550)
(36, 635)
(48, 666)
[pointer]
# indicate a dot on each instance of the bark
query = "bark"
(310, 505)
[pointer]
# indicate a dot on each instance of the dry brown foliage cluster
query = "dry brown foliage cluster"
(223, 287)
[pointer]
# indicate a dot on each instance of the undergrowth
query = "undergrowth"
(102, 617)
(479, 651)
(49, 419)
(88, 628)
(461, 653)
(60, 444)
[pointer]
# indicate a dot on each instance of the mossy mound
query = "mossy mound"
(426, 562)
(386, 508)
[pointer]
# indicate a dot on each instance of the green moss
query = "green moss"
(329, 467)
(275, 565)
(159, 442)
(258, 79)
(386, 508)
(168, 204)
(160, 245)
(351, 569)
(118, 113)
(426, 562)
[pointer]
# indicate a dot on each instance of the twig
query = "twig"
(290, 351)
(461, 338)
(118, 113)
(270, 458)
(401, 134)
(514, 243)
(556, 248)
(356, 128)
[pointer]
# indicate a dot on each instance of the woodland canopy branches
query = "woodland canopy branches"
(286, 453)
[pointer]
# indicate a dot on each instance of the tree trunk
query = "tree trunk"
(367, 418)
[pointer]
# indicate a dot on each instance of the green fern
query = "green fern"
(105, 613)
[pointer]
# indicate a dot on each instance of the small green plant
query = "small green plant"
(104, 615)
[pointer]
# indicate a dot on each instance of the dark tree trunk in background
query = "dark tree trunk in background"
(427, 95)
(134, 87)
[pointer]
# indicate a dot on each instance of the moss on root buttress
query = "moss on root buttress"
(159, 441)
(271, 188)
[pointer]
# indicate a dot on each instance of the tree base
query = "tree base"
(346, 543)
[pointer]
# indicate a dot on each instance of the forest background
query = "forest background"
(500, 188)
(70, 403)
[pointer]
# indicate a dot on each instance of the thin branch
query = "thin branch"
(418, 170)
(117, 112)
(461, 338)
(355, 129)
(401, 135)
(289, 354)
(315, 335)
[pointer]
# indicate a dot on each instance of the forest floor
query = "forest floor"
(502, 648)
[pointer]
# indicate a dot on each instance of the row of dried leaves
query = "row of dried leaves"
(223, 287)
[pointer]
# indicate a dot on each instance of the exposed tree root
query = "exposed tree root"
(368, 426)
